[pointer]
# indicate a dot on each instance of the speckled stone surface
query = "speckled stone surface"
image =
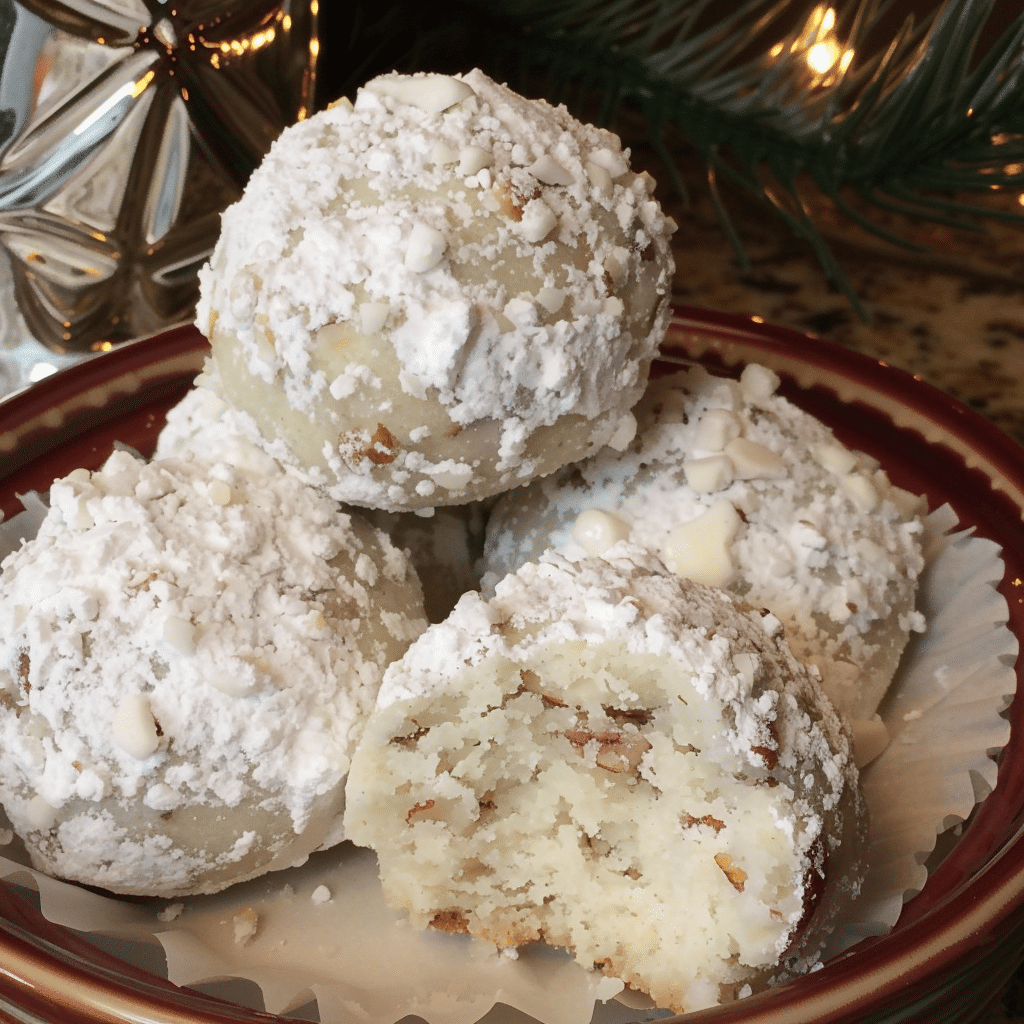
(953, 316)
(964, 336)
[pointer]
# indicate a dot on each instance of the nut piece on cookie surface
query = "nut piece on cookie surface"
(438, 292)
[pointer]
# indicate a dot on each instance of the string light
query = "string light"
(820, 47)
(822, 57)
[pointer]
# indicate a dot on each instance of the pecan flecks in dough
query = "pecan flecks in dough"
(419, 809)
(412, 739)
(705, 819)
(143, 584)
(736, 875)
(623, 754)
(636, 716)
(450, 921)
(383, 448)
(532, 684)
(512, 200)
(356, 447)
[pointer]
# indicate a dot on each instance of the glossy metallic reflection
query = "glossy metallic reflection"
(126, 126)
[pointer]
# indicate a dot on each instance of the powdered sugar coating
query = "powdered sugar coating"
(611, 759)
(204, 423)
(420, 304)
(187, 655)
(794, 521)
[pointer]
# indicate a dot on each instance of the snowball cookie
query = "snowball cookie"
(608, 758)
(187, 657)
(732, 485)
(438, 293)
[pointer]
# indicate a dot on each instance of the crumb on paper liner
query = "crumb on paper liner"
(322, 931)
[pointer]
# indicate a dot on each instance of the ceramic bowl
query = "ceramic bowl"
(957, 942)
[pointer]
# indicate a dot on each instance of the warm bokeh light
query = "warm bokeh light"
(243, 44)
(819, 46)
(822, 57)
(825, 54)
(142, 84)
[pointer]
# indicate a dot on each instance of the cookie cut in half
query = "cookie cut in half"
(610, 759)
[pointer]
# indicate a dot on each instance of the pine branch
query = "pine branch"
(901, 125)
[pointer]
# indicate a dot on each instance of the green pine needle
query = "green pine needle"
(901, 124)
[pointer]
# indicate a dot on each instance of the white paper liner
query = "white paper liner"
(323, 932)
(943, 715)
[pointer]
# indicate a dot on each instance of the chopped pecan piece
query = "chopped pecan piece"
(410, 740)
(417, 809)
(513, 200)
(617, 752)
(705, 819)
(381, 447)
(531, 684)
(737, 876)
(637, 716)
(452, 921)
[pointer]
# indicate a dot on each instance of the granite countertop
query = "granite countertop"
(963, 335)
(953, 316)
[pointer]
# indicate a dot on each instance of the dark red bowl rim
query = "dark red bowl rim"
(973, 903)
